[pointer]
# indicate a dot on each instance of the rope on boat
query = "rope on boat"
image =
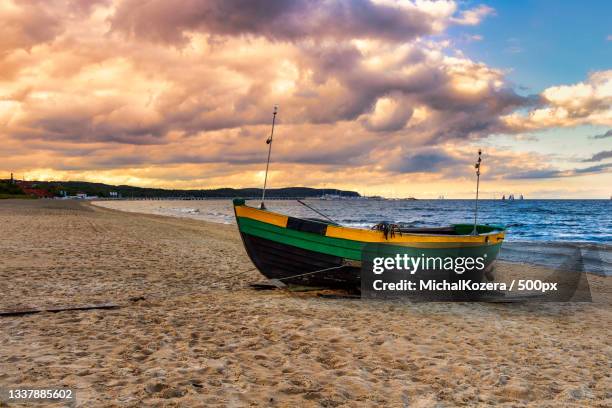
(387, 229)
(311, 273)
(290, 277)
(318, 212)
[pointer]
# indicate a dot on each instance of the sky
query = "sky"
(384, 97)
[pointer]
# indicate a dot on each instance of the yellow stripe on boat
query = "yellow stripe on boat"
(260, 215)
(355, 234)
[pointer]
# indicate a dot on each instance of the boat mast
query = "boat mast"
(477, 167)
(269, 143)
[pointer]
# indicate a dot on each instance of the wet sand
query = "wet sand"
(190, 331)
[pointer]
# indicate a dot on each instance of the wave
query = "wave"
(541, 221)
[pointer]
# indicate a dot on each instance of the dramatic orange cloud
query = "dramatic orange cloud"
(179, 94)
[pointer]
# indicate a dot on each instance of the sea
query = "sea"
(535, 228)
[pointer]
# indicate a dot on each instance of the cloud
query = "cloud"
(389, 114)
(474, 16)
(555, 173)
(473, 38)
(428, 161)
(31, 22)
(600, 156)
(602, 135)
(526, 137)
(499, 164)
(588, 102)
(172, 94)
(289, 20)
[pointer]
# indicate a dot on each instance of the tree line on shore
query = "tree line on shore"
(15, 189)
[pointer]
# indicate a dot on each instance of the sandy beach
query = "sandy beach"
(191, 332)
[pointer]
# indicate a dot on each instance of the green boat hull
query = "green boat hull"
(291, 253)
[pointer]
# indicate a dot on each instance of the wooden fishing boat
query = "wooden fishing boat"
(313, 252)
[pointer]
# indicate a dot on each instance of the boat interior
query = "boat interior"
(388, 228)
